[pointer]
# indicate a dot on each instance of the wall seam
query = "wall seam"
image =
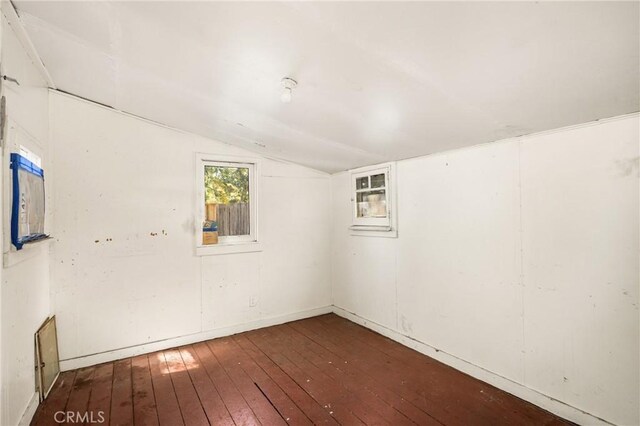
(332, 228)
(521, 277)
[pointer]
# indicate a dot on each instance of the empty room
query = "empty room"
(320, 213)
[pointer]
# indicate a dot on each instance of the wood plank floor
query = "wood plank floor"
(322, 370)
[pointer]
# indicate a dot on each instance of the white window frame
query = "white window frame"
(232, 243)
(382, 227)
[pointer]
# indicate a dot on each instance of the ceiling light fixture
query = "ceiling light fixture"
(288, 84)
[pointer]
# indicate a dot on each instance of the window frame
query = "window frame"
(232, 243)
(383, 227)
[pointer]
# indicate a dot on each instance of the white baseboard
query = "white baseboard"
(99, 358)
(27, 416)
(546, 402)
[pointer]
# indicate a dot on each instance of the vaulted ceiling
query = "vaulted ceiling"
(377, 81)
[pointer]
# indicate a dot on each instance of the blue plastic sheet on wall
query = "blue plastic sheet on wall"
(28, 202)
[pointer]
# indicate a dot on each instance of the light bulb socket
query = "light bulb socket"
(288, 83)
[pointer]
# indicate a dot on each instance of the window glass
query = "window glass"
(377, 181)
(227, 201)
(371, 203)
(362, 182)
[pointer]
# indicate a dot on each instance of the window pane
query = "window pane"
(227, 202)
(371, 204)
(362, 183)
(377, 181)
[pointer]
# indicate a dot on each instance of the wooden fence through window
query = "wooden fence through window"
(233, 219)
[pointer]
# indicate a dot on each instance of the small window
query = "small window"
(227, 202)
(371, 199)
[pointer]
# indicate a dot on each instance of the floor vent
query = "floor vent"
(47, 358)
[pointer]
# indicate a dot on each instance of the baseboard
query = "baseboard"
(27, 416)
(99, 358)
(546, 402)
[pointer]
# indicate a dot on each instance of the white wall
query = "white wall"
(520, 257)
(122, 178)
(25, 275)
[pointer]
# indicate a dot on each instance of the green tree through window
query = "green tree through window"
(226, 185)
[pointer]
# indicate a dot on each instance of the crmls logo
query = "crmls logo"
(78, 417)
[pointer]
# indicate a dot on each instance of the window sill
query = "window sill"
(373, 231)
(217, 249)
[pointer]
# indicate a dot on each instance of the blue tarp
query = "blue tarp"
(28, 202)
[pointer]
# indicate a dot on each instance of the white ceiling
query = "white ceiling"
(378, 81)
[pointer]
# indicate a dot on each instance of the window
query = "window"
(227, 202)
(28, 202)
(372, 198)
(32, 223)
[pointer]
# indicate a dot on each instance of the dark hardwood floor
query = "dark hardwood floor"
(322, 370)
